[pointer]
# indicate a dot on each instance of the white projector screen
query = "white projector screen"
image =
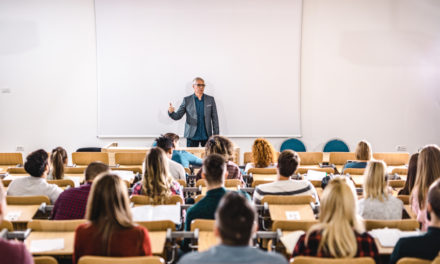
(248, 52)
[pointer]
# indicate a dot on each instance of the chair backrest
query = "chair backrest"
(354, 171)
(296, 225)
(74, 170)
(293, 144)
(247, 157)
(130, 158)
(287, 199)
(62, 183)
(404, 198)
(202, 224)
(316, 260)
(182, 182)
(12, 158)
(229, 183)
(45, 260)
(404, 224)
(201, 182)
(392, 158)
(413, 261)
(162, 225)
(27, 200)
(198, 198)
(119, 260)
(396, 183)
(340, 158)
(85, 158)
(16, 170)
(336, 145)
(6, 224)
(400, 171)
(303, 170)
(145, 200)
(6, 183)
(259, 182)
(55, 225)
(262, 171)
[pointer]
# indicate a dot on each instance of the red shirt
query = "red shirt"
(72, 203)
(124, 243)
(14, 252)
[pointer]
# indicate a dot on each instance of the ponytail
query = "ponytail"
(58, 158)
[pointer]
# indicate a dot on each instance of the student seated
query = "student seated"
(377, 203)
(37, 166)
(176, 170)
(288, 161)
(183, 157)
(363, 155)
(426, 246)
(340, 234)
(235, 223)
(263, 155)
(71, 204)
(411, 175)
(428, 170)
(58, 159)
(110, 230)
(156, 182)
(224, 147)
(11, 252)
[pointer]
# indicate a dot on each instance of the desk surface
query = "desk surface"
(278, 211)
(383, 250)
(264, 177)
(76, 178)
(68, 242)
(27, 212)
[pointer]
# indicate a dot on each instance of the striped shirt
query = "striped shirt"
(288, 187)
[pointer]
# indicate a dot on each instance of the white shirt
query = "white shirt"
(287, 187)
(390, 209)
(29, 186)
(176, 170)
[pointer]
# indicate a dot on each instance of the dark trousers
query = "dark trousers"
(195, 143)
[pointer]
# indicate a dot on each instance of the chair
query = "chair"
(262, 171)
(392, 158)
(293, 144)
(16, 170)
(404, 198)
(182, 182)
(12, 159)
(396, 183)
(400, 171)
(295, 225)
(198, 198)
(45, 260)
(27, 200)
(6, 224)
(202, 224)
(162, 225)
(55, 225)
(310, 158)
(354, 171)
(413, 261)
(130, 158)
(120, 260)
(340, 158)
(74, 170)
(146, 200)
(229, 183)
(404, 224)
(287, 199)
(62, 183)
(6, 183)
(304, 170)
(85, 158)
(316, 260)
(247, 157)
(259, 182)
(336, 145)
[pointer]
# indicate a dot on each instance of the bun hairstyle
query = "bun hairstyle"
(36, 163)
(58, 158)
(220, 145)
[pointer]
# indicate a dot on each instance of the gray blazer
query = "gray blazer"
(188, 106)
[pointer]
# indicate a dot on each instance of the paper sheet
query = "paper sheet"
(292, 215)
(47, 245)
(313, 175)
(124, 174)
(289, 241)
(156, 213)
(13, 216)
(388, 237)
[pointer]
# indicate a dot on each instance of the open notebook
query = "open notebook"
(388, 237)
(156, 213)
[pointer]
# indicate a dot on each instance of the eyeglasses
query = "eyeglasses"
(200, 85)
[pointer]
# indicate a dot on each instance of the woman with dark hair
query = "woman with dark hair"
(110, 230)
(411, 177)
(58, 159)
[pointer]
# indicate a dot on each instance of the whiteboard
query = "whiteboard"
(149, 51)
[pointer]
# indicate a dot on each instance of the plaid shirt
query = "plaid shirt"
(71, 204)
(175, 187)
(366, 247)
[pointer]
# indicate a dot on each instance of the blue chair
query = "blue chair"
(293, 144)
(336, 145)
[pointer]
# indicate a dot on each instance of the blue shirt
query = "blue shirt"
(185, 158)
(201, 129)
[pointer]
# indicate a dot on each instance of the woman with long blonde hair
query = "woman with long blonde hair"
(339, 234)
(263, 155)
(377, 203)
(428, 170)
(157, 182)
(110, 230)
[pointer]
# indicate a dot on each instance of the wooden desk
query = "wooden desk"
(158, 239)
(358, 180)
(68, 242)
(26, 215)
(207, 239)
(204, 189)
(409, 210)
(76, 178)
(278, 211)
(383, 250)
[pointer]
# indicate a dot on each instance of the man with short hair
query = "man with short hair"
(11, 252)
(288, 161)
(37, 166)
(176, 170)
(235, 223)
(72, 202)
(183, 157)
(201, 115)
(426, 246)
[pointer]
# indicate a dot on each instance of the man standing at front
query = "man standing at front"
(201, 115)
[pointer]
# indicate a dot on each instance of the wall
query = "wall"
(370, 69)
